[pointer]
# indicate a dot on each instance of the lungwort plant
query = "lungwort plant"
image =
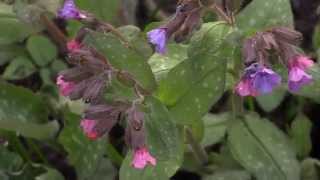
(217, 89)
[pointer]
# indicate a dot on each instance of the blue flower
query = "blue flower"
(257, 80)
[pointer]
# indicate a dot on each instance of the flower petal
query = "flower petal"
(158, 37)
(142, 157)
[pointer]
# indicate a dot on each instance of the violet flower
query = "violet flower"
(257, 80)
(265, 81)
(297, 75)
(70, 11)
(158, 37)
(142, 157)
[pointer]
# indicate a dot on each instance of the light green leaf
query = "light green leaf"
(162, 64)
(262, 149)
(194, 85)
(123, 58)
(21, 67)
(301, 135)
(215, 128)
(164, 142)
(42, 50)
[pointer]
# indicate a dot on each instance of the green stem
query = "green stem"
(237, 101)
(198, 151)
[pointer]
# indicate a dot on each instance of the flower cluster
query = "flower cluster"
(70, 11)
(185, 20)
(258, 78)
(88, 80)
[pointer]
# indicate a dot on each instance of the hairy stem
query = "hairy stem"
(54, 32)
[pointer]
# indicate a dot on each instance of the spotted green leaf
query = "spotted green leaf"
(85, 155)
(162, 64)
(215, 128)
(262, 149)
(194, 85)
(137, 39)
(123, 58)
(164, 142)
(260, 14)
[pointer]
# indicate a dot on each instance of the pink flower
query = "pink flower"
(65, 87)
(73, 45)
(142, 157)
(88, 127)
(244, 88)
(297, 75)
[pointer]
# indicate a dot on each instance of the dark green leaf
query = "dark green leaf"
(259, 15)
(20, 68)
(9, 52)
(271, 101)
(23, 112)
(21, 105)
(84, 154)
(42, 50)
(310, 169)
(11, 31)
(229, 175)
(105, 10)
(9, 161)
(51, 174)
(45, 75)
